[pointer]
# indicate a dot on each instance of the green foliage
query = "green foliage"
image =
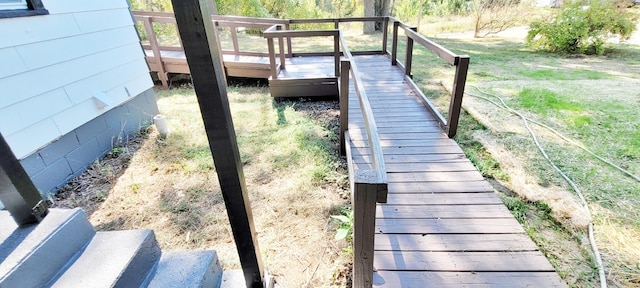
(517, 207)
(345, 222)
(582, 29)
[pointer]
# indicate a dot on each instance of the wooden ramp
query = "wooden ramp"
(442, 225)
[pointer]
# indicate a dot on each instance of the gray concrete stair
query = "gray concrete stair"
(65, 251)
(192, 269)
(113, 259)
(32, 255)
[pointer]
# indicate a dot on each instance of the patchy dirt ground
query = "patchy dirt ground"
(146, 185)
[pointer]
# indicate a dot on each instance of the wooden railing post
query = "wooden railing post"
(153, 41)
(456, 95)
(385, 32)
(289, 52)
(394, 44)
(17, 192)
(363, 201)
(281, 48)
(336, 52)
(345, 65)
(272, 58)
(409, 54)
(234, 39)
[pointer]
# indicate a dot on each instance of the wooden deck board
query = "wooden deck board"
(454, 242)
(462, 261)
(428, 279)
(442, 225)
(394, 211)
(448, 226)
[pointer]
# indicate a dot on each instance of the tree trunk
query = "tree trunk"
(369, 11)
(384, 9)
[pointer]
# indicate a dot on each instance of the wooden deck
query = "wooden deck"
(175, 61)
(443, 226)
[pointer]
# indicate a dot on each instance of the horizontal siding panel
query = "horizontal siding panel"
(11, 62)
(74, 117)
(134, 86)
(64, 49)
(30, 139)
(69, 6)
(84, 89)
(24, 30)
(103, 20)
(26, 113)
(22, 86)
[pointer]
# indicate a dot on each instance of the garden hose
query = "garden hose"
(601, 272)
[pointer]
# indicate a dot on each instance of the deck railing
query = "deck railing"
(276, 32)
(461, 62)
(368, 187)
(166, 64)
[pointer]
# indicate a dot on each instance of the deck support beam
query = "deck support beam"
(197, 33)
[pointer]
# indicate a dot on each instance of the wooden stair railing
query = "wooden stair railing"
(368, 187)
(461, 62)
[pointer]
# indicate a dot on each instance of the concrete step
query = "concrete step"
(113, 259)
(31, 256)
(191, 269)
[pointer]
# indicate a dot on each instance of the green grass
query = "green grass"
(541, 101)
(572, 74)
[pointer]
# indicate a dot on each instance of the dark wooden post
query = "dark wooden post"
(457, 92)
(345, 65)
(336, 52)
(288, 27)
(281, 49)
(17, 192)
(272, 59)
(196, 30)
(385, 32)
(394, 44)
(409, 54)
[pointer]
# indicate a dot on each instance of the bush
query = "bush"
(581, 29)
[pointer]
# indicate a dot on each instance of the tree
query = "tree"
(493, 16)
(582, 29)
(374, 8)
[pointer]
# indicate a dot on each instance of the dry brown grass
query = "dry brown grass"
(170, 186)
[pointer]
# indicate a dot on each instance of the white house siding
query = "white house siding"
(71, 83)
